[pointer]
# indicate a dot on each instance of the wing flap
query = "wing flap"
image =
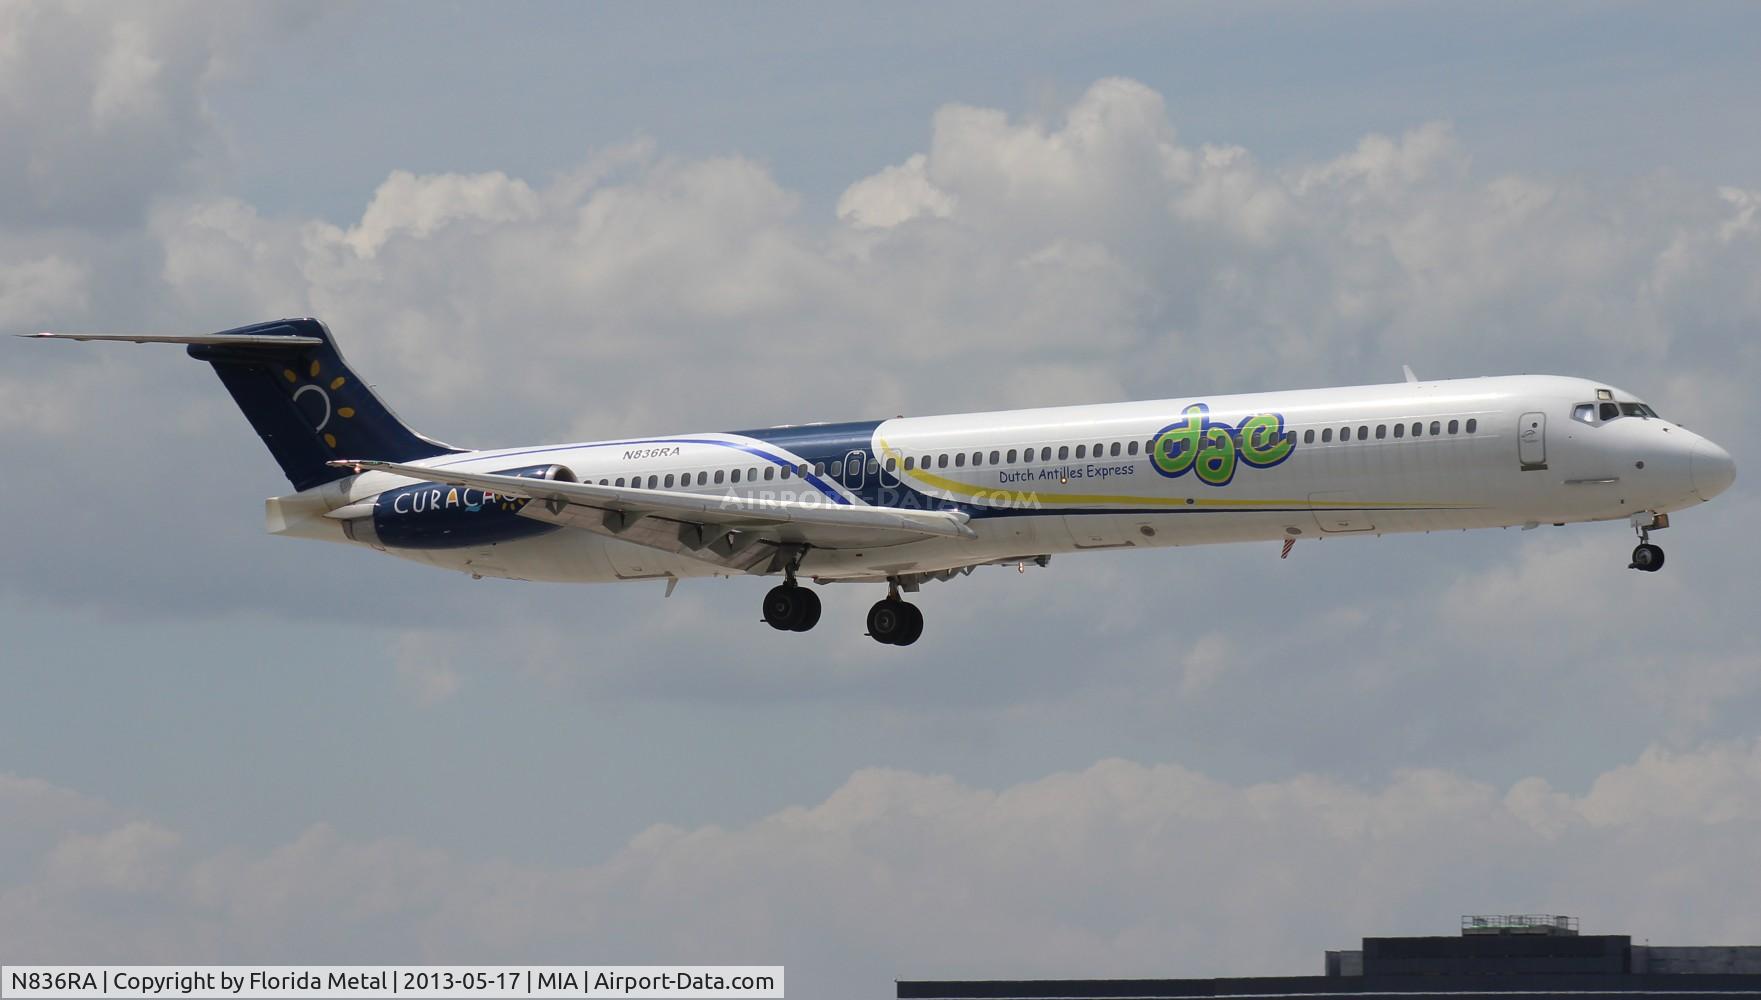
(719, 529)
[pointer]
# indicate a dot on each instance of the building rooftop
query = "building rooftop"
(1520, 957)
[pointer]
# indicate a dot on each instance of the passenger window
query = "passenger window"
(1609, 411)
(942, 461)
(1472, 425)
(770, 472)
(819, 468)
(734, 476)
(718, 477)
(1012, 454)
(1363, 433)
(977, 459)
(1082, 451)
(1063, 452)
(1308, 436)
(1454, 426)
(752, 474)
(873, 467)
(1131, 447)
(1400, 430)
(1113, 450)
(620, 481)
(787, 470)
(1345, 434)
(669, 480)
(653, 482)
(1436, 428)
(1417, 428)
(1585, 412)
(1100, 449)
(1045, 454)
(909, 463)
(837, 468)
(960, 460)
(996, 458)
(1381, 431)
(604, 482)
(892, 464)
(1327, 435)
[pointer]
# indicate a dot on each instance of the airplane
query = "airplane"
(908, 500)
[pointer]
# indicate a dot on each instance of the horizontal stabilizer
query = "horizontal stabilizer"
(201, 340)
(300, 396)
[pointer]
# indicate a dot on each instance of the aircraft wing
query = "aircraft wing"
(201, 340)
(726, 530)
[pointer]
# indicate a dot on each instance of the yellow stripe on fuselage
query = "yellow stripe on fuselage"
(1006, 497)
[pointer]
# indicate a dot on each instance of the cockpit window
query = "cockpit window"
(1594, 413)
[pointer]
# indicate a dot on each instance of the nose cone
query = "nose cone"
(1711, 469)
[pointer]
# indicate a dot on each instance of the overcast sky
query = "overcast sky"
(533, 223)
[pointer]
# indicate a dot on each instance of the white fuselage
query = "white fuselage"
(1361, 460)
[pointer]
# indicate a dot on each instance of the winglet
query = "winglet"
(1410, 377)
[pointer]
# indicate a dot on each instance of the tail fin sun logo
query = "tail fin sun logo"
(313, 399)
(1212, 450)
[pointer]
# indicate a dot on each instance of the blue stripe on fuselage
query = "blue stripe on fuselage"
(813, 448)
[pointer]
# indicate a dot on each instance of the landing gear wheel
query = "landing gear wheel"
(1647, 557)
(809, 610)
(791, 608)
(913, 625)
(894, 622)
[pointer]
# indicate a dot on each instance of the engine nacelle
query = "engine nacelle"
(438, 516)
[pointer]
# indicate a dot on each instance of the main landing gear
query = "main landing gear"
(1648, 557)
(790, 607)
(894, 622)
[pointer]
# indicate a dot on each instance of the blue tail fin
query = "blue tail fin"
(306, 403)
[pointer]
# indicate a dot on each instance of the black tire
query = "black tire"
(1648, 557)
(913, 625)
(783, 607)
(886, 621)
(809, 612)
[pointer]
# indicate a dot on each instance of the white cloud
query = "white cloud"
(1119, 869)
(420, 205)
(50, 285)
(84, 87)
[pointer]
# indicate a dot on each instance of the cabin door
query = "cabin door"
(1531, 440)
(855, 469)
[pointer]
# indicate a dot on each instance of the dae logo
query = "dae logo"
(315, 403)
(1212, 450)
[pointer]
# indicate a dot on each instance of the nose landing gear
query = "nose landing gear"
(1648, 557)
